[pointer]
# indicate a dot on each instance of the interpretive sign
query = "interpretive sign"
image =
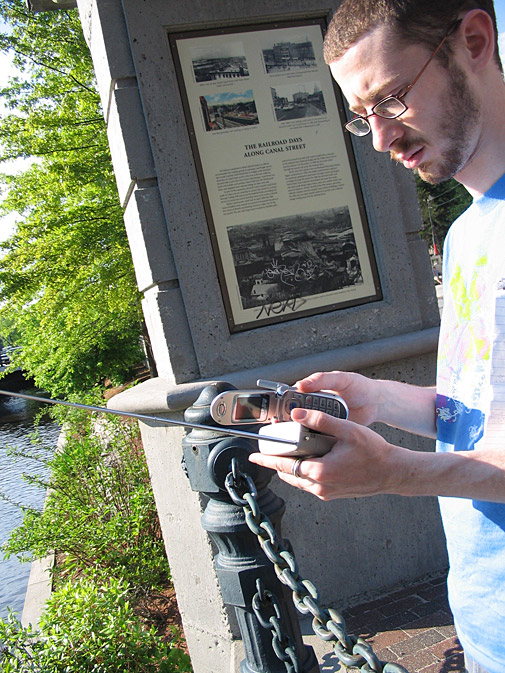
(277, 173)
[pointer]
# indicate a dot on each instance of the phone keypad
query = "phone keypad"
(327, 404)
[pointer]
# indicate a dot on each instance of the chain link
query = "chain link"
(263, 602)
(327, 624)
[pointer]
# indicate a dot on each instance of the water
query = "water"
(16, 428)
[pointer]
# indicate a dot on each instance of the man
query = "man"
(425, 79)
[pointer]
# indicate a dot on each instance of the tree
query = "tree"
(66, 278)
(440, 205)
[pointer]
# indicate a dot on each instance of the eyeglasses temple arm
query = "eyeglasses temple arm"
(451, 29)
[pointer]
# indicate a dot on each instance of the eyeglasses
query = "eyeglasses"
(391, 107)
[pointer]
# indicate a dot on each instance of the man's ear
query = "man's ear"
(477, 33)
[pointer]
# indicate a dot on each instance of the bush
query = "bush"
(99, 514)
(88, 628)
(100, 519)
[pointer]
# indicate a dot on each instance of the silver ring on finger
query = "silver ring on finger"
(295, 468)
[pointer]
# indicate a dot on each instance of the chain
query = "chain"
(327, 624)
(265, 602)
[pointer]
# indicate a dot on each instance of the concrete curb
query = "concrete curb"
(38, 591)
(40, 583)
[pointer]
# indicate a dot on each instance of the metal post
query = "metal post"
(240, 562)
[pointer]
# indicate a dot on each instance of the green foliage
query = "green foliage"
(66, 277)
(440, 206)
(100, 519)
(99, 513)
(88, 627)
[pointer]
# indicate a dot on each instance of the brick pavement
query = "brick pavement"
(412, 627)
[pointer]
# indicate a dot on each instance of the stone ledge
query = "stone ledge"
(160, 396)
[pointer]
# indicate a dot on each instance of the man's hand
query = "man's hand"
(360, 393)
(360, 463)
(376, 400)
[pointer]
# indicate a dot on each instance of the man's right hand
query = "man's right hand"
(400, 405)
(361, 394)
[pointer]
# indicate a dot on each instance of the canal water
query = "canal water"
(16, 432)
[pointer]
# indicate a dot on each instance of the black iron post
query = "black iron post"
(241, 565)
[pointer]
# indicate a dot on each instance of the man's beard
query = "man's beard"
(461, 111)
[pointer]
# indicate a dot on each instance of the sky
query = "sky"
(499, 6)
(7, 223)
(6, 70)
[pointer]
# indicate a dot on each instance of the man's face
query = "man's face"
(437, 135)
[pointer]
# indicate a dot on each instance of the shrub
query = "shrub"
(99, 514)
(100, 519)
(88, 627)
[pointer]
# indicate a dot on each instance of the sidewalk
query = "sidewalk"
(412, 627)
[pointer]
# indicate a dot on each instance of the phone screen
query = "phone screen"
(250, 407)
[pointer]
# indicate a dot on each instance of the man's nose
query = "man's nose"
(385, 132)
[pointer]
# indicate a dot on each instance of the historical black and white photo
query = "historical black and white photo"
(298, 100)
(220, 62)
(288, 55)
(297, 256)
(228, 109)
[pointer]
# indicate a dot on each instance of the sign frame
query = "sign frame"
(276, 171)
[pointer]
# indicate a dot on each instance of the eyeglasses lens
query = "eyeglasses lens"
(389, 108)
(358, 126)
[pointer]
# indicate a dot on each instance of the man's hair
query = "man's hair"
(420, 21)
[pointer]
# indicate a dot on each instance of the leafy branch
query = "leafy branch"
(68, 294)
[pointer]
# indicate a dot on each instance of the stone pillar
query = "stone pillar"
(347, 548)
